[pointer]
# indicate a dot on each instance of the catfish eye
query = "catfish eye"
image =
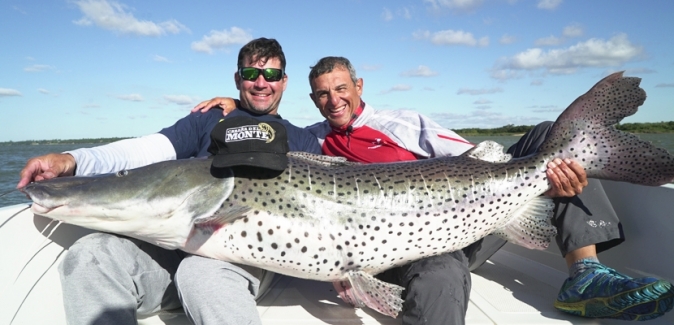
(122, 173)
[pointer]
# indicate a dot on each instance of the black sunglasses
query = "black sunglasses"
(269, 74)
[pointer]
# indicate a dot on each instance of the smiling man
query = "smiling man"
(437, 288)
(354, 130)
(108, 279)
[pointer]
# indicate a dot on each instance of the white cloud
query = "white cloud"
(591, 53)
(43, 91)
(421, 71)
(397, 88)
(537, 82)
(6, 92)
(548, 41)
(482, 102)
(574, 30)
(479, 91)
(634, 71)
(546, 109)
(387, 15)
(19, 10)
(454, 4)
(159, 58)
(661, 85)
(221, 39)
(131, 97)
(38, 68)
(111, 15)
(481, 119)
(405, 13)
(571, 31)
(507, 39)
(180, 99)
(452, 37)
(548, 4)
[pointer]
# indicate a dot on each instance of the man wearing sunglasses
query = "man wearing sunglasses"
(437, 288)
(108, 279)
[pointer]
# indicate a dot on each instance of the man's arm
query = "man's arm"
(46, 167)
(567, 177)
(420, 135)
(112, 157)
(123, 154)
(227, 104)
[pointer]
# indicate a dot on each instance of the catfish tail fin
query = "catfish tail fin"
(585, 132)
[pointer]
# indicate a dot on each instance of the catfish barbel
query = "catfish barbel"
(329, 220)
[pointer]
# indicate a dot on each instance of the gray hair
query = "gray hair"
(329, 63)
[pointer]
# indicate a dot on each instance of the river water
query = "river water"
(14, 157)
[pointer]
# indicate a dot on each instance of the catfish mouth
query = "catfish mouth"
(42, 210)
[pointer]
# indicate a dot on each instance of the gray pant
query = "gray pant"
(436, 289)
(108, 279)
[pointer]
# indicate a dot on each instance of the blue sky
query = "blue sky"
(103, 68)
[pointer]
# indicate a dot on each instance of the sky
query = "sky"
(72, 69)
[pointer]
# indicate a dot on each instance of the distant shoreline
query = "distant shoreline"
(61, 141)
(507, 130)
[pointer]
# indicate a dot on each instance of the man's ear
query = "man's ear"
(359, 86)
(237, 78)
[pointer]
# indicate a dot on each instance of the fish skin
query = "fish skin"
(330, 220)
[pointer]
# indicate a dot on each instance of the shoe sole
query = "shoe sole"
(648, 302)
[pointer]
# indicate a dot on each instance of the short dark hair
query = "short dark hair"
(329, 63)
(261, 49)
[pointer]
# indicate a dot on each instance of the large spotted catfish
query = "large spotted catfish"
(329, 220)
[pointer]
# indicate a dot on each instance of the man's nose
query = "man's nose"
(260, 81)
(334, 99)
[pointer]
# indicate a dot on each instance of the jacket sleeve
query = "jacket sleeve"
(438, 141)
(123, 154)
(420, 135)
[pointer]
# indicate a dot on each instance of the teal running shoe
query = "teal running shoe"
(602, 292)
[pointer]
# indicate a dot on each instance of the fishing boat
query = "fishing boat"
(515, 286)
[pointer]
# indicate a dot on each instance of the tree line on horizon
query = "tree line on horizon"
(510, 129)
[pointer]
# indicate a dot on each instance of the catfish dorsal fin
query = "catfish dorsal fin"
(379, 295)
(488, 151)
(328, 161)
(530, 225)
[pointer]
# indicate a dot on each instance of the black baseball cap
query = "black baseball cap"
(245, 141)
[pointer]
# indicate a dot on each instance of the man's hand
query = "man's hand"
(346, 292)
(567, 177)
(46, 167)
(227, 104)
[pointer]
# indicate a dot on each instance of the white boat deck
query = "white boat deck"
(516, 286)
